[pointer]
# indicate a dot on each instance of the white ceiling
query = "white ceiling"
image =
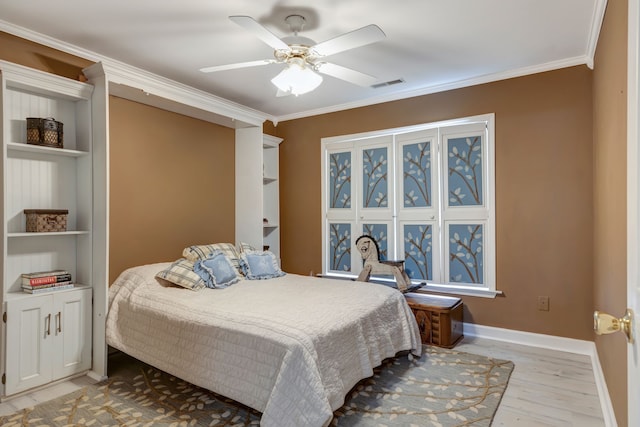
(432, 45)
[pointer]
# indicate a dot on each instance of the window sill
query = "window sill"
(428, 287)
(460, 290)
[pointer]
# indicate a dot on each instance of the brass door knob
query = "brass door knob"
(604, 323)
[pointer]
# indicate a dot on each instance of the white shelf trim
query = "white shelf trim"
(25, 78)
(18, 146)
(48, 233)
(11, 296)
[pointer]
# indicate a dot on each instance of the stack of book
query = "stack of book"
(46, 281)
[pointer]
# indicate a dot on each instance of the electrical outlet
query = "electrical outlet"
(543, 303)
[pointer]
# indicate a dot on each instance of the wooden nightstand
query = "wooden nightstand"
(439, 318)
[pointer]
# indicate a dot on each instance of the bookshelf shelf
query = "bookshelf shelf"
(26, 148)
(14, 296)
(48, 234)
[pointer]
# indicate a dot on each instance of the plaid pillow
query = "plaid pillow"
(200, 252)
(181, 273)
(245, 247)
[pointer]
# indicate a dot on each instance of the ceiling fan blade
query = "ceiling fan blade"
(237, 65)
(347, 74)
(356, 38)
(250, 24)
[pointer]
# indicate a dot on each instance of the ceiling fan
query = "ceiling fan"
(304, 57)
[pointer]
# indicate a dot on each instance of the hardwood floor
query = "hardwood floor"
(31, 399)
(547, 388)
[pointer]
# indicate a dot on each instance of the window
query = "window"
(426, 195)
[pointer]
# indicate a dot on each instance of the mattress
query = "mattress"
(290, 347)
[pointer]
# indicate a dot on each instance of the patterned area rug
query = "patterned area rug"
(443, 388)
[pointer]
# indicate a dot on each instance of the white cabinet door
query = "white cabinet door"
(49, 337)
(30, 338)
(71, 326)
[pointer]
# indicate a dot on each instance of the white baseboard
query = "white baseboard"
(96, 376)
(570, 345)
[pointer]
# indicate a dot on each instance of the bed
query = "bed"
(290, 347)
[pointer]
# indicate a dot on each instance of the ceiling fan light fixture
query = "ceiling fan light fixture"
(297, 78)
(302, 56)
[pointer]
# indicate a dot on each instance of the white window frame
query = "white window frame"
(438, 213)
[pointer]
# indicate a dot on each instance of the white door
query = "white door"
(633, 211)
(30, 337)
(71, 327)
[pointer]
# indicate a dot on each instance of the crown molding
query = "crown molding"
(48, 41)
(594, 34)
(149, 88)
(588, 60)
(19, 76)
(487, 78)
(142, 86)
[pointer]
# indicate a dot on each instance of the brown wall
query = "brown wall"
(20, 51)
(610, 199)
(172, 184)
(544, 190)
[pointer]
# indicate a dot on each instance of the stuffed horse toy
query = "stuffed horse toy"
(369, 250)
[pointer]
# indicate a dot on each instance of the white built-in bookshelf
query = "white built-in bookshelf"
(47, 336)
(257, 189)
(271, 193)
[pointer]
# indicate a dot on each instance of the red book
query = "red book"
(46, 279)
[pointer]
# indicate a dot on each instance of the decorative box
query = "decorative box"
(47, 132)
(439, 318)
(46, 220)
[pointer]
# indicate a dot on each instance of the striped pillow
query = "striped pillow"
(245, 247)
(181, 273)
(200, 252)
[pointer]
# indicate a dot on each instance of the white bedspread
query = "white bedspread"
(290, 347)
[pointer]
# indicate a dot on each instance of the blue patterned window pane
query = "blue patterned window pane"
(418, 241)
(340, 247)
(340, 180)
(379, 233)
(416, 172)
(374, 178)
(465, 171)
(465, 253)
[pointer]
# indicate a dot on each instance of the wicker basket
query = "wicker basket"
(47, 132)
(46, 220)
